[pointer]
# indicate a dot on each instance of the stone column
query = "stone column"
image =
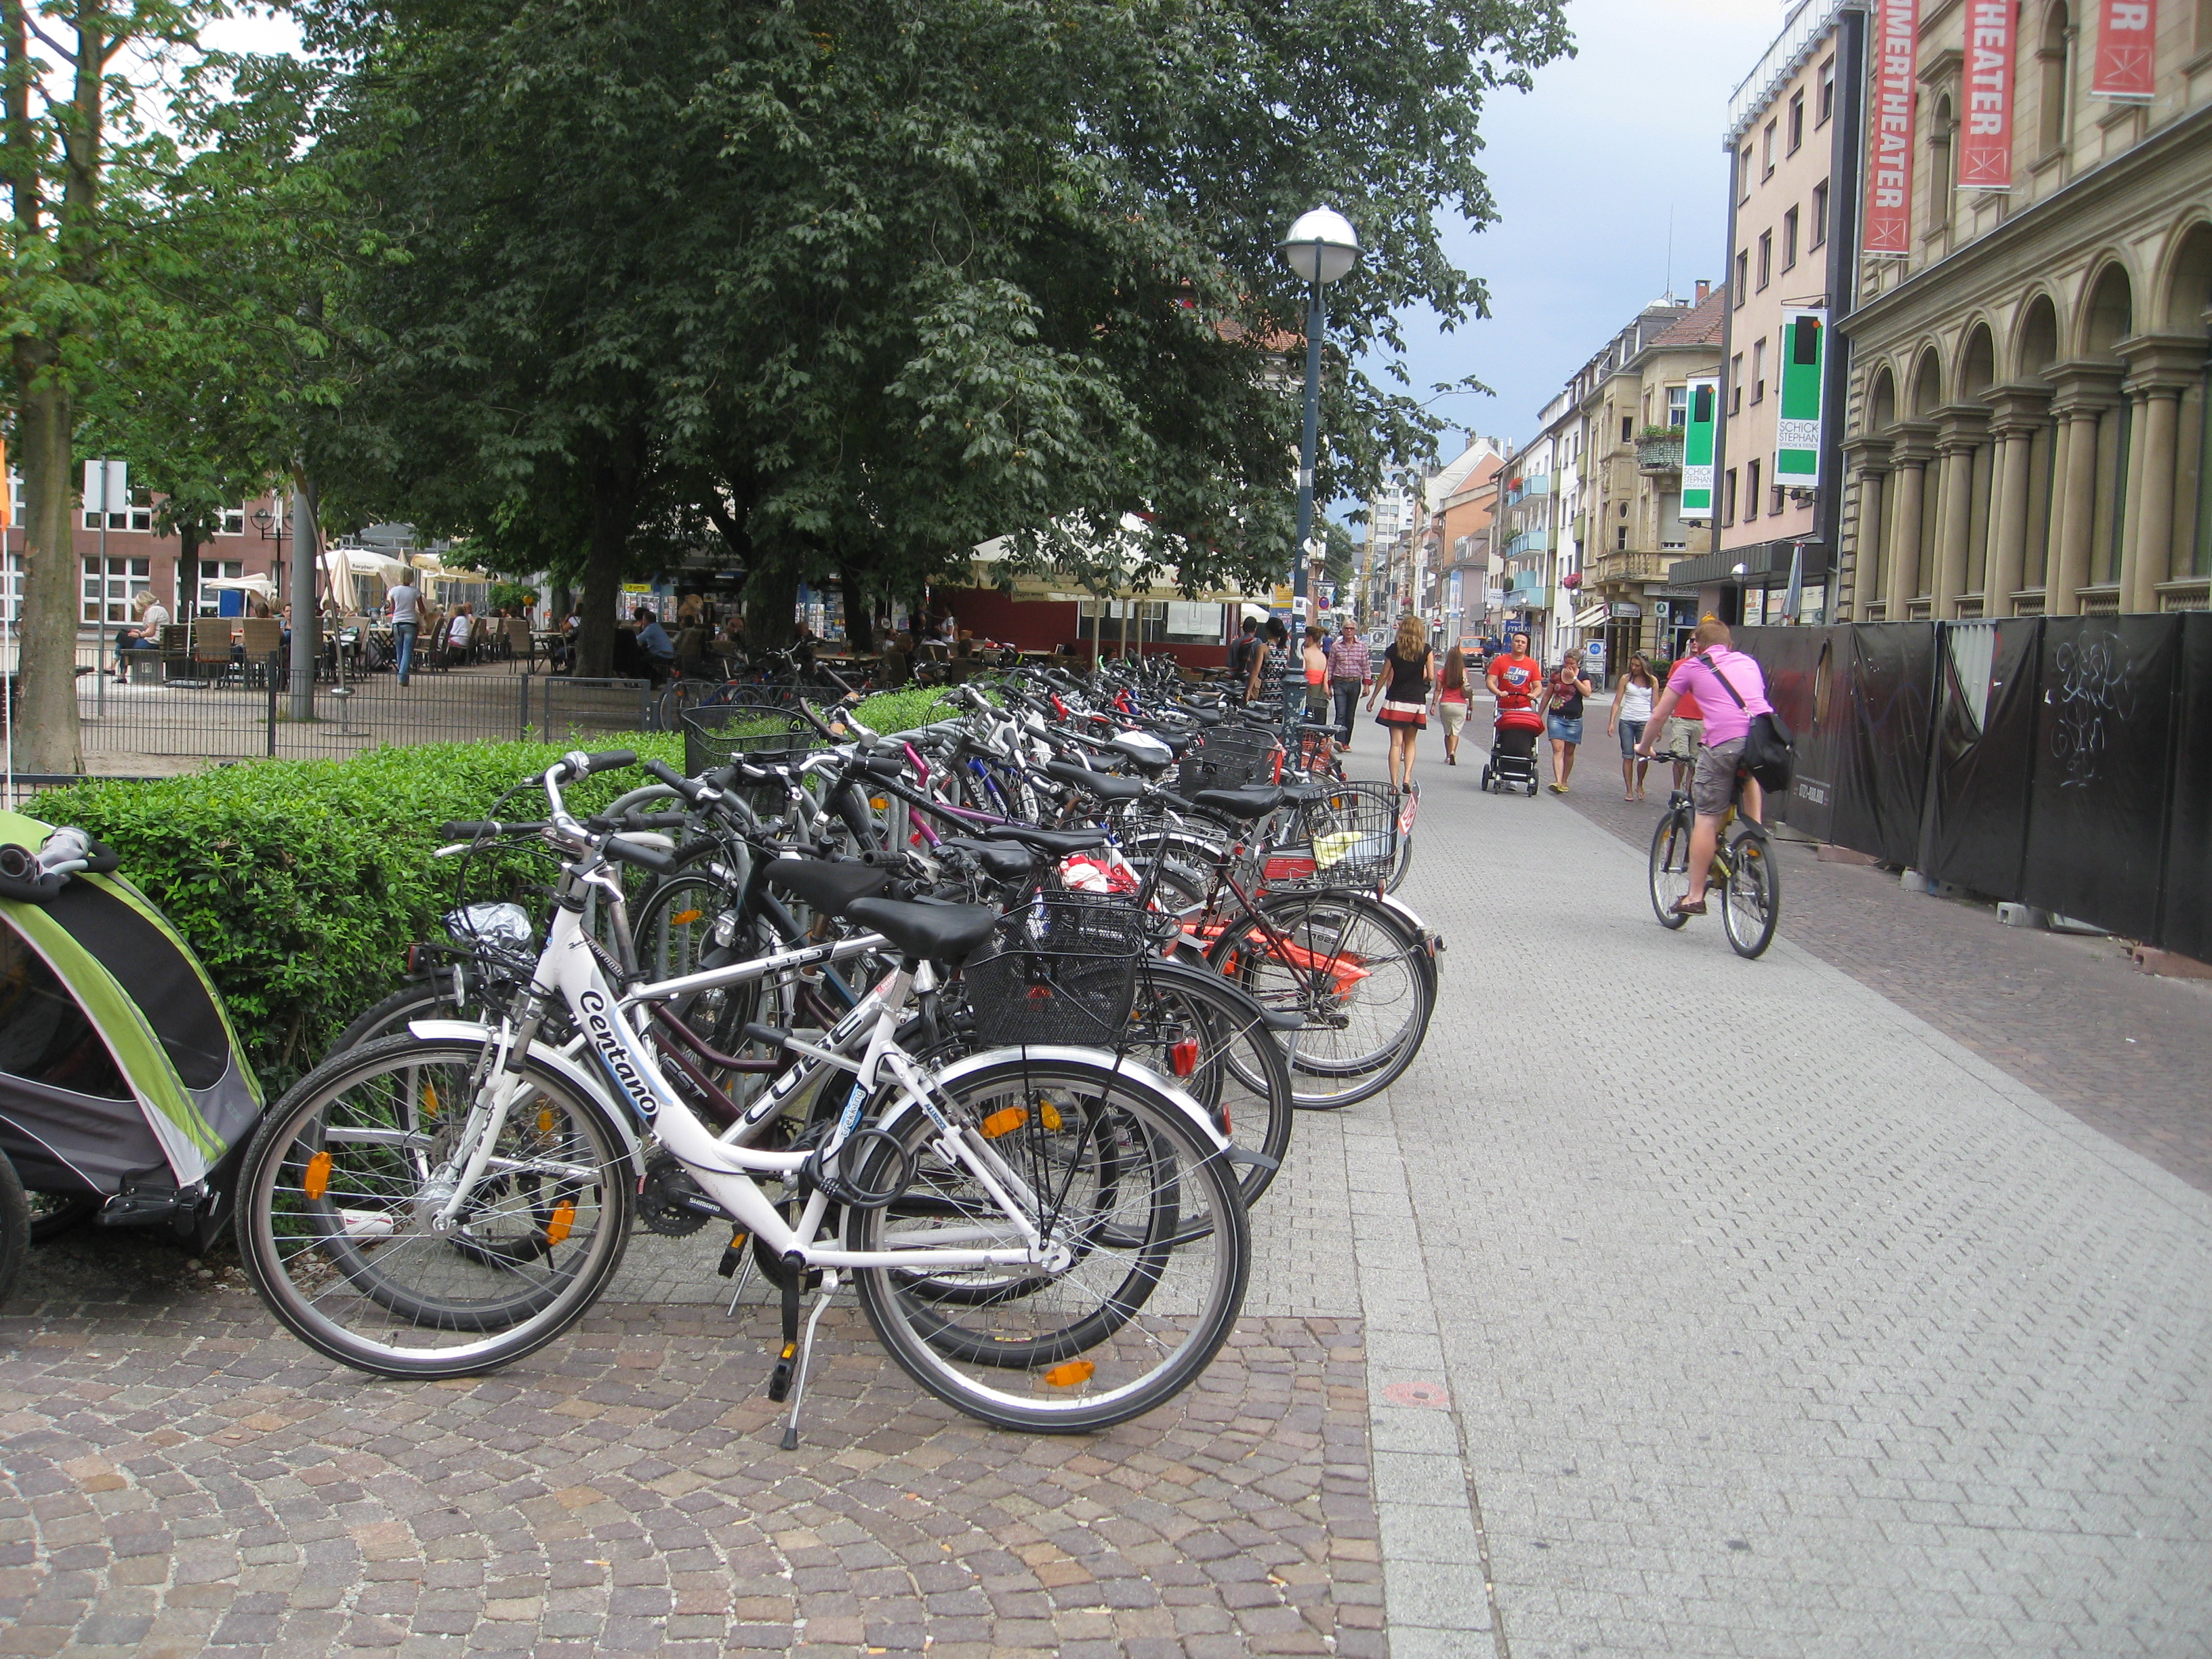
(1867, 457)
(2016, 415)
(2085, 392)
(2160, 368)
(1914, 454)
(1961, 427)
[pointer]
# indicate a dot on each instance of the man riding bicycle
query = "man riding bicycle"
(1731, 688)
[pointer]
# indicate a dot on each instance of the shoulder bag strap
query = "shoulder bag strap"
(1714, 669)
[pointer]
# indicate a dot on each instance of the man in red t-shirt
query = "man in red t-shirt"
(1515, 677)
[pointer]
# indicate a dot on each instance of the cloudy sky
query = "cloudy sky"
(1587, 170)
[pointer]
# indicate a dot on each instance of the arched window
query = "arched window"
(2054, 58)
(1940, 176)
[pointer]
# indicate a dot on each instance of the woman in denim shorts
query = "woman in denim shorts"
(1563, 717)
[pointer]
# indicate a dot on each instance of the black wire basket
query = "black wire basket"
(716, 735)
(1345, 837)
(1061, 969)
(1229, 757)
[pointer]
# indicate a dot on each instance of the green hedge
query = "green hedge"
(300, 884)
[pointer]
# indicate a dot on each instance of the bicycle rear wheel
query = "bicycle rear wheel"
(338, 1190)
(1670, 866)
(1193, 1027)
(1360, 978)
(1751, 898)
(1151, 1249)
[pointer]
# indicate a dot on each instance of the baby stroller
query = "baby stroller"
(1512, 762)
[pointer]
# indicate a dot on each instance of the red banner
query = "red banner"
(2127, 38)
(1888, 228)
(1985, 134)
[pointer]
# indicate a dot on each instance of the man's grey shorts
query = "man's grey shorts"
(1713, 787)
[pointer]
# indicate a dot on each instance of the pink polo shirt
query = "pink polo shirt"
(1724, 722)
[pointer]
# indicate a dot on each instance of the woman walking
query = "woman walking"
(1451, 701)
(1403, 686)
(1276, 684)
(1631, 713)
(1563, 716)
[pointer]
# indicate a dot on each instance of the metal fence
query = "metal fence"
(243, 709)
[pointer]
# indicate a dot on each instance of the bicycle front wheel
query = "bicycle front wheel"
(1751, 898)
(338, 1192)
(1670, 866)
(1190, 1025)
(1148, 1249)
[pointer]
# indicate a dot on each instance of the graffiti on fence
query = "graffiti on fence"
(2091, 695)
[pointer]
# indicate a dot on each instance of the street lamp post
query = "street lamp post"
(1322, 247)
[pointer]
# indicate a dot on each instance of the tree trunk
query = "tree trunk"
(46, 714)
(859, 611)
(613, 478)
(188, 572)
(771, 598)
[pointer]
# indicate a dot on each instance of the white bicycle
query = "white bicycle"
(1047, 1238)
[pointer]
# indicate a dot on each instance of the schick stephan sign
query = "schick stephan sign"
(1703, 400)
(1797, 424)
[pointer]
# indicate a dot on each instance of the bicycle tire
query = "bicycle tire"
(14, 1228)
(430, 999)
(1670, 865)
(1193, 1026)
(1324, 974)
(1151, 1348)
(302, 1238)
(1751, 897)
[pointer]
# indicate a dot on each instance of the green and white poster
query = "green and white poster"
(1797, 426)
(1705, 402)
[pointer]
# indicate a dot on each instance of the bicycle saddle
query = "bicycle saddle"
(1103, 785)
(826, 885)
(1000, 863)
(1252, 801)
(1059, 842)
(931, 933)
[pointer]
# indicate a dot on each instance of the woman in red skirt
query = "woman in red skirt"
(1409, 665)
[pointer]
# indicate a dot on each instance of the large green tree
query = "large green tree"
(860, 286)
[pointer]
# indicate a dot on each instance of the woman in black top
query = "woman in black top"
(1404, 691)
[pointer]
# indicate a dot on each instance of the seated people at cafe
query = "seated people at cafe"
(964, 665)
(898, 660)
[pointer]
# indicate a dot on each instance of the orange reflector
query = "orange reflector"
(429, 1097)
(881, 803)
(545, 1121)
(1005, 1122)
(319, 1176)
(1067, 1376)
(564, 1219)
(685, 918)
(1047, 1114)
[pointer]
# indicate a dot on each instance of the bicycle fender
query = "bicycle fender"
(554, 1061)
(1434, 941)
(968, 1065)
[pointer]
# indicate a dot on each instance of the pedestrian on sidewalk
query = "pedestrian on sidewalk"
(1350, 673)
(1242, 654)
(1313, 657)
(1631, 713)
(1717, 669)
(1515, 676)
(1451, 701)
(1409, 665)
(1276, 686)
(1684, 731)
(1562, 709)
(404, 604)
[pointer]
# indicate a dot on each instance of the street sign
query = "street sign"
(107, 486)
(1626, 608)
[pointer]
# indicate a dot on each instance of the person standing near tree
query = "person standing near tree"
(1350, 673)
(1410, 665)
(1562, 709)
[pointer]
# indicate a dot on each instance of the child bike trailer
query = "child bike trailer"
(122, 1086)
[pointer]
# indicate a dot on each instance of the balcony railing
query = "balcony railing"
(1631, 568)
(1654, 455)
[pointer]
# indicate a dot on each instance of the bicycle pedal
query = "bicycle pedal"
(733, 1255)
(779, 1380)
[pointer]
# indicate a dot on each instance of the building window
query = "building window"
(233, 522)
(1620, 539)
(216, 570)
(1765, 258)
(1827, 93)
(1789, 239)
(1735, 384)
(1774, 504)
(1743, 174)
(1759, 370)
(1678, 406)
(1728, 499)
(134, 517)
(1742, 277)
(2055, 58)
(1628, 428)
(1766, 150)
(11, 591)
(1751, 489)
(126, 579)
(1796, 121)
(1939, 167)
(1820, 237)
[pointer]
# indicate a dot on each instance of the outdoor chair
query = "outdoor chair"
(211, 659)
(514, 637)
(175, 655)
(264, 639)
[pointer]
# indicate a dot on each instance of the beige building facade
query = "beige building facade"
(2027, 391)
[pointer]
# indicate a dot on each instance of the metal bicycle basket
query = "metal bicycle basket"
(1344, 836)
(1061, 969)
(724, 732)
(1228, 758)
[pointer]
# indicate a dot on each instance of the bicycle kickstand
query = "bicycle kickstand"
(806, 1353)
